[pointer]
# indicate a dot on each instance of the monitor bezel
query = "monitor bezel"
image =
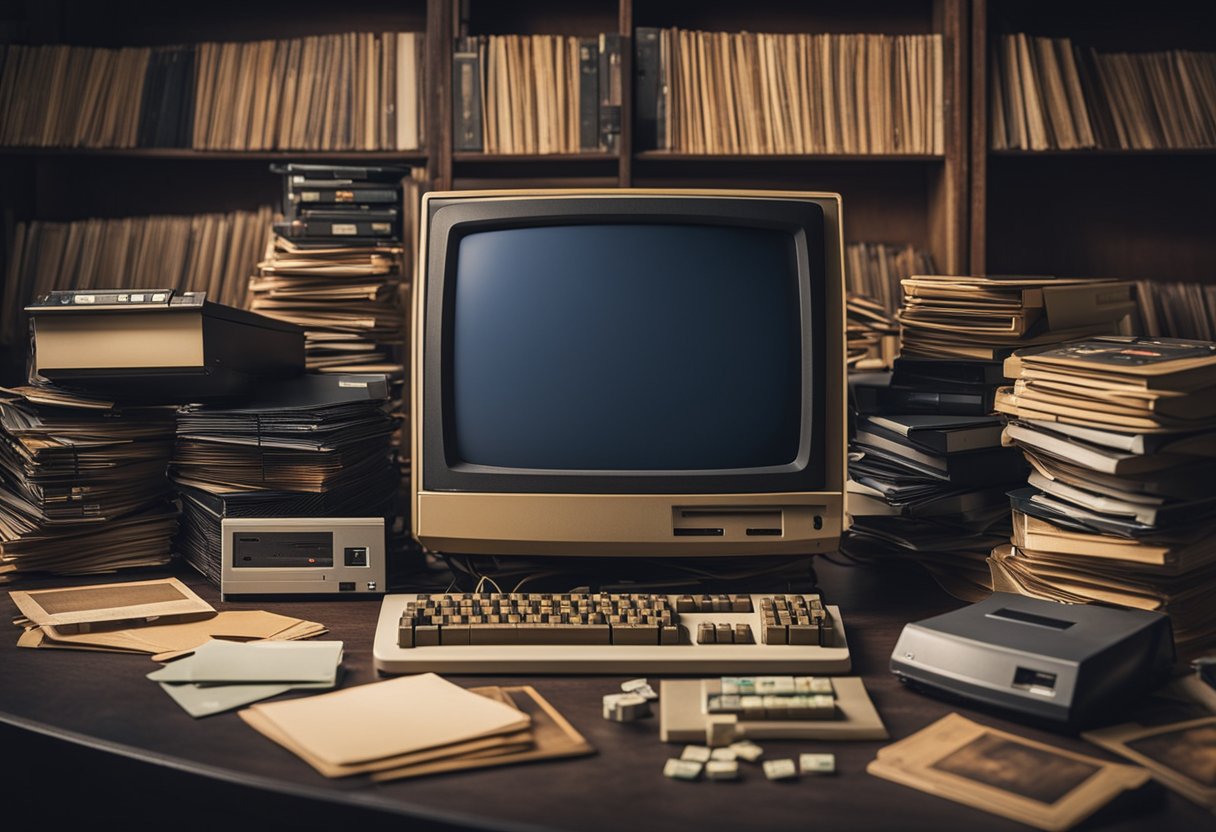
(450, 218)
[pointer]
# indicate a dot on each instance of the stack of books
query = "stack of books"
(308, 446)
(1120, 506)
(537, 94)
(1176, 310)
(748, 93)
(352, 91)
(1049, 95)
(83, 488)
(986, 318)
(212, 253)
(928, 475)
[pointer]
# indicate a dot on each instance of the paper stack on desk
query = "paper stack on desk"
(221, 675)
(82, 484)
(160, 617)
(416, 725)
(1121, 505)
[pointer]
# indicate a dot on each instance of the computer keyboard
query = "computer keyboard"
(609, 633)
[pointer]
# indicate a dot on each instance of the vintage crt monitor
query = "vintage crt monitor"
(629, 372)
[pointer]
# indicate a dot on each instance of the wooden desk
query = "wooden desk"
(152, 759)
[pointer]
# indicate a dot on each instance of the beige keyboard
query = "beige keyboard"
(609, 633)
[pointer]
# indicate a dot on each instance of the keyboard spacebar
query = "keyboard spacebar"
(540, 634)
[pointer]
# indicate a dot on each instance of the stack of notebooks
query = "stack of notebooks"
(986, 318)
(212, 253)
(351, 91)
(1049, 95)
(82, 484)
(316, 444)
(415, 726)
(748, 93)
(1120, 506)
(338, 205)
(537, 94)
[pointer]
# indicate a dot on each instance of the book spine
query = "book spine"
(588, 94)
(646, 86)
(466, 96)
(610, 92)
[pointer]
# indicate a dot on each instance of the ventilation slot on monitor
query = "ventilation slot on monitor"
(697, 532)
(764, 532)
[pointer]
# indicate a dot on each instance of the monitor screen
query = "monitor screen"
(644, 347)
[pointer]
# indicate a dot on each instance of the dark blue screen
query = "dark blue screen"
(626, 348)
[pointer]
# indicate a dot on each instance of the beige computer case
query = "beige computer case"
(639, 524)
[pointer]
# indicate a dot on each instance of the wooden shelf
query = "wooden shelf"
(532, 158)
(1116, 152)
(674, 156)
(181, 153)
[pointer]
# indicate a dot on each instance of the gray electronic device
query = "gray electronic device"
(1062, 664)
(302, 556)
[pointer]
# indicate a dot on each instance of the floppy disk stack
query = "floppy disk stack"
(1120, 505)
(83, 485)
(316, 444)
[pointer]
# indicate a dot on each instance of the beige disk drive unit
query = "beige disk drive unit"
(302, 556)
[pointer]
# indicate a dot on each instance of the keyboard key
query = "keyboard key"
(722, 770)
(780, 769)
(707, 633)
(682, 769)
(696, 753)
(817, 763)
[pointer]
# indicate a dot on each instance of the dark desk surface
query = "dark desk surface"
(103, 700)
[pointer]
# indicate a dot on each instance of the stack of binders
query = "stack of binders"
(82, 484)
(927, 473)
(1120, 505)
(314, 445)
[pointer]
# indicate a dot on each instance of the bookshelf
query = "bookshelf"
(1098, 211)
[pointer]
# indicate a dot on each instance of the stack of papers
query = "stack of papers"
(82, 484)
(416, 725)
(1120, 506)
(221, 675)
(163, 618)
(312, 445)
(350, 301)
(986, 318)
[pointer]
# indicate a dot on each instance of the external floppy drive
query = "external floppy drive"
(1069, 665)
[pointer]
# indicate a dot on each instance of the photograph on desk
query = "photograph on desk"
(83, 488)
(994, 771)
(1120, 504)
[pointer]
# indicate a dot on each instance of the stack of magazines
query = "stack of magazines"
(82, 484)
(1120, 504)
